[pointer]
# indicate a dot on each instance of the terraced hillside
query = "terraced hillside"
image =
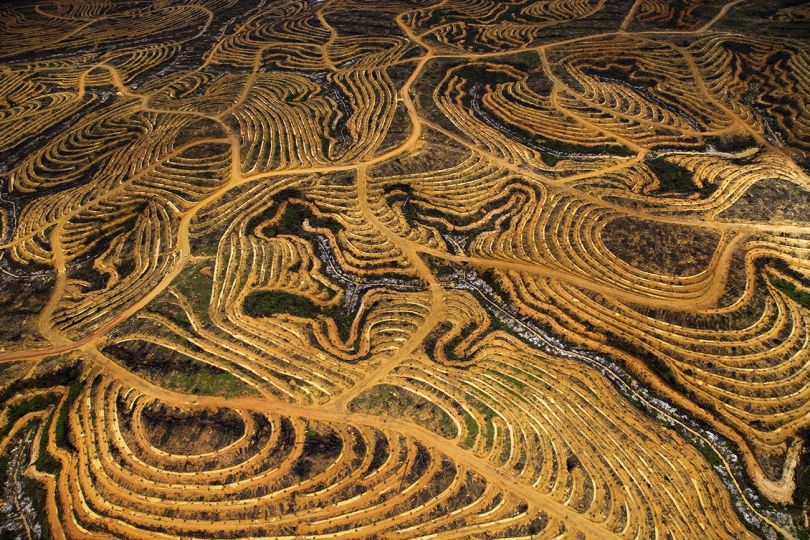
(400, 269)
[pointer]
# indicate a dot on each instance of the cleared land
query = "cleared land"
(393, 269)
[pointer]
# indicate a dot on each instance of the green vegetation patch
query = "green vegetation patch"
(67, 375)
(488, 414)
(496, 324)
(790, 290)
(204, 382)
(452, 344)
(397, 402)
(176, 371)
(472, 429)
(662, 369)
(61, 429)
(63, 375)
(656, 365)
(549, 159)
(671, 177)
(293, 216)
(45, 462)
(268, 303)
(710, 454)
(512, 385)
(196, 286)
(24, 407)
